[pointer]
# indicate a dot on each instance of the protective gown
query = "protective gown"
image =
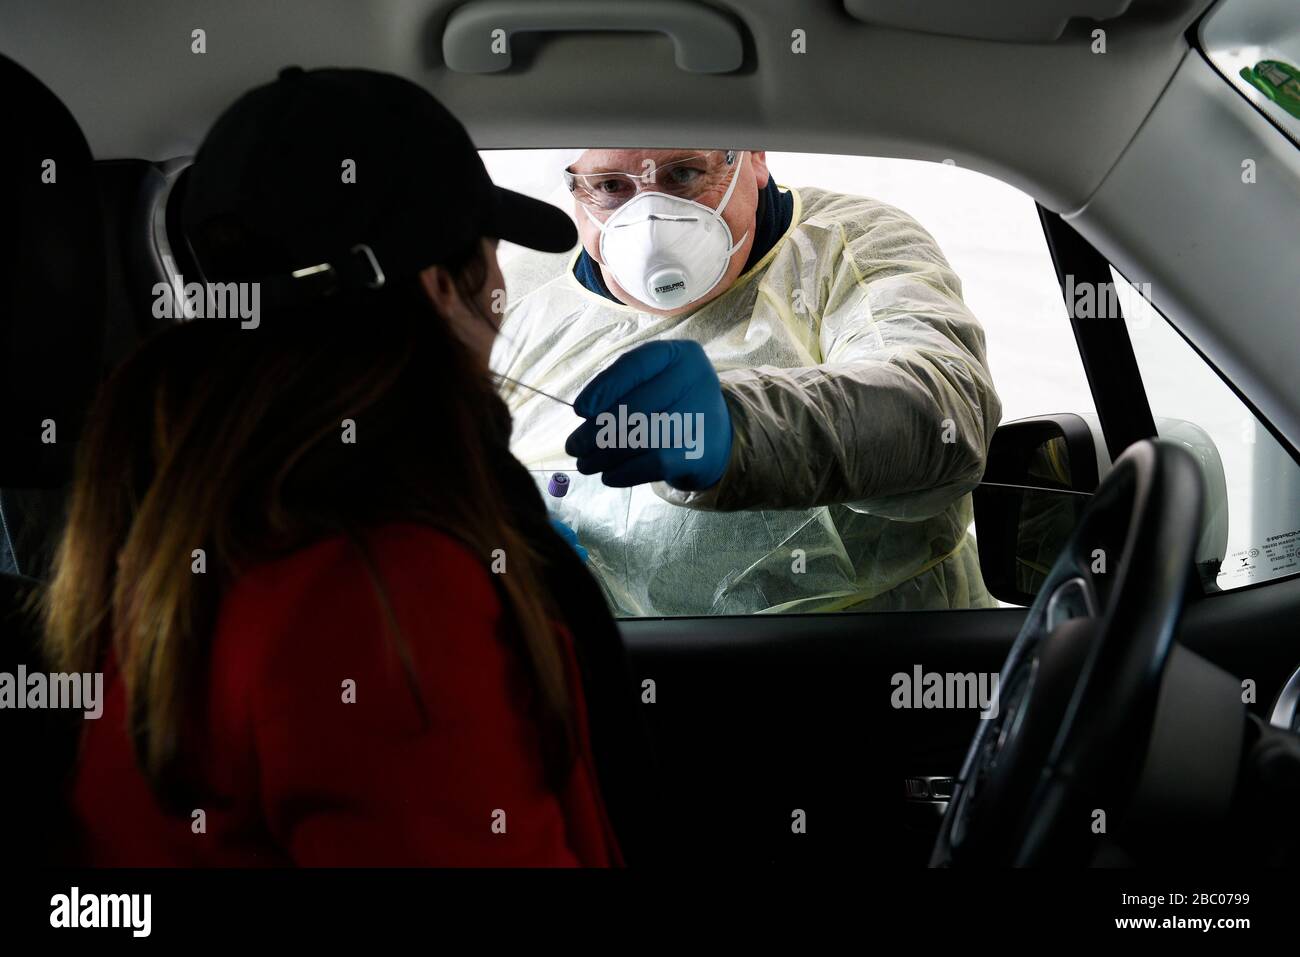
(862, 407)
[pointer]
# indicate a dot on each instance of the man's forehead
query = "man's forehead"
(631, 160)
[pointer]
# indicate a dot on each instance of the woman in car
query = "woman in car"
(335, 624)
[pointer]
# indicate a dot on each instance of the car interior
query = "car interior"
(1158, 697)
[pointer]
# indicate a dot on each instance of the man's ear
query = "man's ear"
(761, 175)
(441, 290)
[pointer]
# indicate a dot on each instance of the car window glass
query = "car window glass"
(1255, 44)
(1253, 508)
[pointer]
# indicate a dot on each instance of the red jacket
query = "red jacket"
(296, 775)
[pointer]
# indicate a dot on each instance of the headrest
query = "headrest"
(52, 276)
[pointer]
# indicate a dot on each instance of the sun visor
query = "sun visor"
(1012, 21)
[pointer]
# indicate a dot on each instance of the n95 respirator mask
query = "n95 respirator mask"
(668, 251)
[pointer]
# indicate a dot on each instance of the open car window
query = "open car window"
(656, 559)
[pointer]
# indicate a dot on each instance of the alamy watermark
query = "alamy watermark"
(133, 912)
(23, 690)
(956, 690)
(1106, 300)
(179, 299)
(654, 430)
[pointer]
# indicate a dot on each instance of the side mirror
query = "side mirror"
(1038, 477)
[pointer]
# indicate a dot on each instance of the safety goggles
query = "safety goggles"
(688, 178)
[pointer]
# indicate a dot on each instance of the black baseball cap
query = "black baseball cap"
(362, 172)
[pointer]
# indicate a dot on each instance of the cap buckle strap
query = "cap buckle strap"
(377, 279)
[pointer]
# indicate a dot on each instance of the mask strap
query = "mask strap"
(587, 209)
(735, 178)
(726, 198)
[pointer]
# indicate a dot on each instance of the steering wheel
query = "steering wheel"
(1078, 691)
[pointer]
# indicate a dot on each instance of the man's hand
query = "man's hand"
(622, 439)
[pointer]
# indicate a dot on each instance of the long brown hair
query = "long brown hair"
(228, 439)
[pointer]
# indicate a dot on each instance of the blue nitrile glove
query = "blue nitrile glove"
(570, 536)
(675, 377)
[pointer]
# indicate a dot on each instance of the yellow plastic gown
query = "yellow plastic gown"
(862, 407)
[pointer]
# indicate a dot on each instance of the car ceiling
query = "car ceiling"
(1049, 117)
